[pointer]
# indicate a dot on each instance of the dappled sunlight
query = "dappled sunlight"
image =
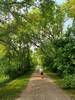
(36, 78)
(49, 80)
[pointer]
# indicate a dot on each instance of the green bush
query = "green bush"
(17, 70)
(68, 81)
(73, 82)
(12, 72)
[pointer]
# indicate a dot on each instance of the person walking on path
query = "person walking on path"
(41, 72)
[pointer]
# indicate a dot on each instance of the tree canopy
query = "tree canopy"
(39, 24)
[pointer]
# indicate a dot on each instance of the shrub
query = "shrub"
(73, 82)
(68, 81)
(12, 72)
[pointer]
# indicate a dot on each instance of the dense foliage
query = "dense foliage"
(15, 37)
(39, 24)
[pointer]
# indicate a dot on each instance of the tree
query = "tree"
(70, 8)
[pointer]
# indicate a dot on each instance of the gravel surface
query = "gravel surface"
(42, 89)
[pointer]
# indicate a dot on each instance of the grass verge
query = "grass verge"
(58, 81)
(12, 89)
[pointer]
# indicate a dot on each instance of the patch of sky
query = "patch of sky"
(60, 1)
(67, 24)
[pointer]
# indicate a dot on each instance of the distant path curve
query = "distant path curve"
(42, 89)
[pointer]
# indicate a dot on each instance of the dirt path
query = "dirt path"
(42, 89)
